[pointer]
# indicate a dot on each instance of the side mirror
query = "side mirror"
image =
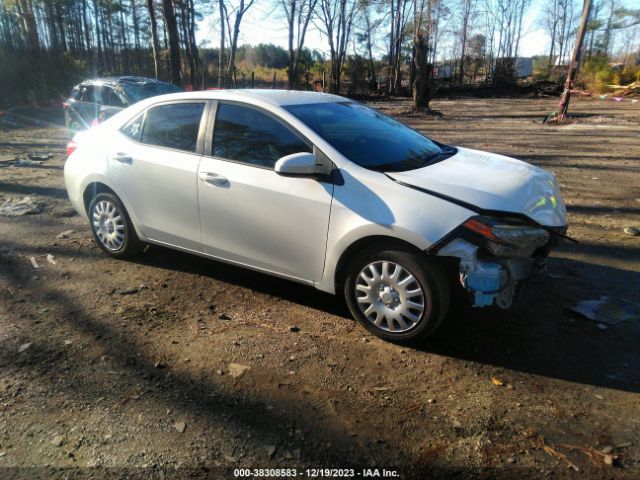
(297, 164)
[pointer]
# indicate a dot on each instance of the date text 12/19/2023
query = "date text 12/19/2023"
(315, 473)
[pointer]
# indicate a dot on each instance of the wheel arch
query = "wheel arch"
(93, 189)
(383, 241)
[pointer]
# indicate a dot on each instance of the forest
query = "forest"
(384, 46)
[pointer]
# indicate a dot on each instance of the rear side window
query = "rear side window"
(249, 136)
(173, 126)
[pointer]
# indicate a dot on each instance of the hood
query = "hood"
(492, 182)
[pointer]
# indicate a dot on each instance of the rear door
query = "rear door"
(249, 213)
(89, 105)
(154, 163)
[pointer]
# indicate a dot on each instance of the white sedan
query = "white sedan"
(321, 190)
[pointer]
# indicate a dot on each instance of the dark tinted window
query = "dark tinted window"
(173, 126)
(112, 98)
(90, 94)
(140, 91)
(250, 136)
(133, 128)
(368, 138)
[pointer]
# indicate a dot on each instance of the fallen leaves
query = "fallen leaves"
(497, 382)
(604, 456)
(237, 370)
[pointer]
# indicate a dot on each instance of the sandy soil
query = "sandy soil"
(112, 369)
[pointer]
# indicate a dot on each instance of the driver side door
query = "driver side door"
(251, 215)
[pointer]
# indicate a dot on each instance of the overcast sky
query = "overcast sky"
(264, 24)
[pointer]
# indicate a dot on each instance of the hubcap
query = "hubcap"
(389, 296)
(109, 225)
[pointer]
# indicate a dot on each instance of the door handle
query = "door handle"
(123, 158)
(213, 179)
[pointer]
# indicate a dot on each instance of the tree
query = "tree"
(466, 8)
(336, 20)
(230, 14)
(421, 90)
(174, 41)
(155, 48)
(298, 14)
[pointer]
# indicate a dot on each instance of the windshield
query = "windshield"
(368, 138)
(140, 91)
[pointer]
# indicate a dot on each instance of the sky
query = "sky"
(264, 23)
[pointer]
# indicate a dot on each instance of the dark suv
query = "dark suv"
(93, 101)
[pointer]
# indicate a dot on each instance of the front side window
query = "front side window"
(174, 125)
(112, 98)
(249, 136)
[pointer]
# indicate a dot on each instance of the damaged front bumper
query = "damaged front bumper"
(497, 255)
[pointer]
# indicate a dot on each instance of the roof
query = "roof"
(124, 79)
(272, 97)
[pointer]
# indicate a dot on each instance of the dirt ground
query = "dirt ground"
(114, 369)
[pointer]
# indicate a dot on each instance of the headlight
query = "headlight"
(507, 239)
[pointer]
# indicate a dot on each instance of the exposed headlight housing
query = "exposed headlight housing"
(506, 238)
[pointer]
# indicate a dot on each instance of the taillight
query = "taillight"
(71, 147)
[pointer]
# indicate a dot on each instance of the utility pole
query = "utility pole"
(573, 64)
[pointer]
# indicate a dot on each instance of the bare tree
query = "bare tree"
(174, 41)
(466, 9)
(421, 93)
(335, 22)
(231, 16)
(155, 48)
(298, 14)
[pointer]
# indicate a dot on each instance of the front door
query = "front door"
(249, 213)
(154, 165)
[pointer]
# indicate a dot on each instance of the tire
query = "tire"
(112, 228)
(391, 297)
(73, 126)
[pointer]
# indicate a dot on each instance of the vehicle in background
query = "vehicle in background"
(93, 101)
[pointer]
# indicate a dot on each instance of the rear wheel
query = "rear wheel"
(73, 126)
(397, 295)
(112, 228)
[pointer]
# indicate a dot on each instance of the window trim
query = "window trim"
(213, 112)
(201, 128)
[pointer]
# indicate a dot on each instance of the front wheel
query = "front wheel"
(112, 228)
(399, 296)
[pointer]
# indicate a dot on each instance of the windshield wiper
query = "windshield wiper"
(411, 164)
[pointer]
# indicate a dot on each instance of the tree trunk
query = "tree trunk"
(154, 37)
(575, 59)
(174, 42)
(221, 75)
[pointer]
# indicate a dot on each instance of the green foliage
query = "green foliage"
(629, 74)
(596, 74)
(38, 79)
